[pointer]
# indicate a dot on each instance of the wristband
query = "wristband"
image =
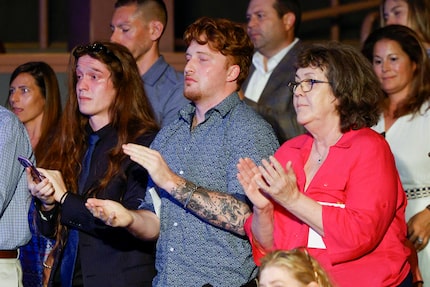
(63, 197)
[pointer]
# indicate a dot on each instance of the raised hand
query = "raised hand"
(110, 212)
(154, 163)
(248, 175)
(277, 182)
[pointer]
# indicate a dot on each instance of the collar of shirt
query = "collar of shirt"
(103, 132)
(155, 71)
(187, 113)
(272, 62)
(306, 140)
(259, 78)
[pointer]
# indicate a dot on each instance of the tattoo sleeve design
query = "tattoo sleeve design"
(217, 208)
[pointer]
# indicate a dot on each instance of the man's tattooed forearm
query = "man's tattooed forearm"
(220, 209)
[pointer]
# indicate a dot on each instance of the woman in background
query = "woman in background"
(34, 97)
(400, 62)
(414, 14)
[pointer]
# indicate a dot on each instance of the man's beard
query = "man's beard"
(192, 95)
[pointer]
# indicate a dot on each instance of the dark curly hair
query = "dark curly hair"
(225, 36)
(352, 79)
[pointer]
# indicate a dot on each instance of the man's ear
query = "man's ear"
(155, 29)
(289, 20)
(232, 73)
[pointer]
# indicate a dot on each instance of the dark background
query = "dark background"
(19, 19)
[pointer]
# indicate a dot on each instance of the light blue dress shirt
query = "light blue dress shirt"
(14, 195)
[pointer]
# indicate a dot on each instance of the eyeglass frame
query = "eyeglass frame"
(294, 85)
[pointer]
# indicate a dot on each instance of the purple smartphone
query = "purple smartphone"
(37, 177)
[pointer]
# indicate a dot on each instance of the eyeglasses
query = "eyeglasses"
(306, 84)
(92, 49)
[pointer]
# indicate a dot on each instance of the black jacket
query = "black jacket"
(108, 256)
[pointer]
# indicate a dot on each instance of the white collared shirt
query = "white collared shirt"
(260, 77)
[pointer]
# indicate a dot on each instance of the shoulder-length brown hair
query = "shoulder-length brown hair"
(46, 80)
(410, 43)
(131, 113)
(352, 79)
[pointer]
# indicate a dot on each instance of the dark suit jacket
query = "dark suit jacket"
(276, 102)
(109, 257)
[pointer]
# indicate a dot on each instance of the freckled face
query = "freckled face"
(205, 73)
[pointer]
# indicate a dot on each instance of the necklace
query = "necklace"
(321, 157)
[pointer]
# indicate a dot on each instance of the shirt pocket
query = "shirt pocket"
(330, 188)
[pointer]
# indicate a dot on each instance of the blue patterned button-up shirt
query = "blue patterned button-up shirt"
(190, 251)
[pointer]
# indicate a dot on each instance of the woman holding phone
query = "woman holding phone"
(34, 97)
